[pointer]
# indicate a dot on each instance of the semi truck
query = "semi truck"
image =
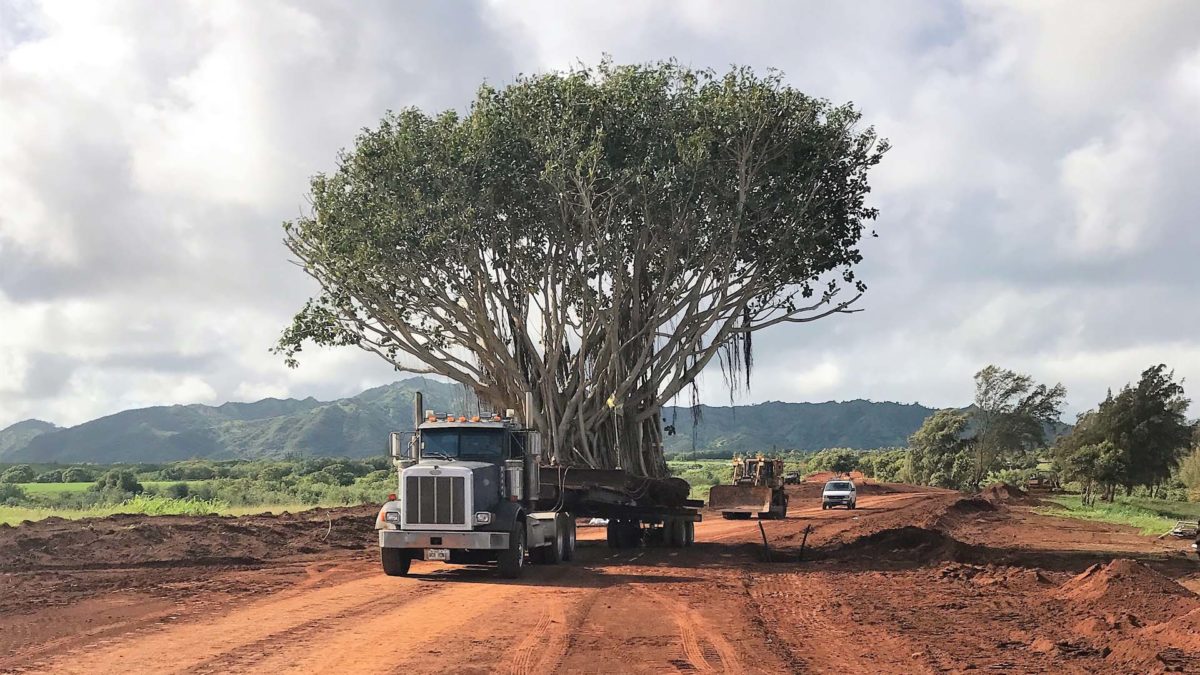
(477, 491)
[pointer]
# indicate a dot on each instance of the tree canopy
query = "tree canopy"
(1134, 438)
(960, 448)
(598, 237)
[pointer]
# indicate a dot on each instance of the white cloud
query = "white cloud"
(1036, 207)
(1113, 186)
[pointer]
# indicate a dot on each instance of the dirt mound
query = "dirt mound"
(970, 505)
(908, 543)
(1170, 646)
(132, 540)
(1004, 493)
(873, 488)
(1127, 587)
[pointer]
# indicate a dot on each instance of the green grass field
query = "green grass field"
(53, 488)
(153, 506)
(1151, 516)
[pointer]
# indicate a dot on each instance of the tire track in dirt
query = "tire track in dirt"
(544, 646)
(219, 638)
(822, 631)
(704, 649)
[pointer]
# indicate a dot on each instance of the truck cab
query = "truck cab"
(468, 493)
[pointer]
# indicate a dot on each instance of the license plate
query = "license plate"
(437, 554)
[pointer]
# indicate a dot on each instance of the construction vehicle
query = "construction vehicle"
(475, 491)
(757, 488)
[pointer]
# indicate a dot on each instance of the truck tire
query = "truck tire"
(624, 534)
(569, 552)
(673, 532)
(689, 533)
(631, 534)
(553, 554)
(511, 561)
(395, 561)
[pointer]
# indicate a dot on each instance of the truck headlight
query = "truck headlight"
(392, 517)
(483, 518)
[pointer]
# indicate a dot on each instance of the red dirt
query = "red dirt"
(1003, 493)
(914, 580)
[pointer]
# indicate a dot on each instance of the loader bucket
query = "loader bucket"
(739, 499)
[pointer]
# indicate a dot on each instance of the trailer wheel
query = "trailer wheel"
(689, 532)
(512, 560)
(632, 531)
(395, 561)
(624, 533)
(679, 533)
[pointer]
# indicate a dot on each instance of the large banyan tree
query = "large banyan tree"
(597, 237)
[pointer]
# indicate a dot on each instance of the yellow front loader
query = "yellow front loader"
(757, 488)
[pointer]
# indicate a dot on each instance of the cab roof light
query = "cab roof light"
(475, 418)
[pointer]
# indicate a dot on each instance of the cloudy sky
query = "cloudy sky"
(1037, 210)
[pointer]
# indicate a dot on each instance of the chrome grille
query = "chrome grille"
(435, 500)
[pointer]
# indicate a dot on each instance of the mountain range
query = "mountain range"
(358, 426)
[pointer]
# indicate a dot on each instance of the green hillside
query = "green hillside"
(854, 424)
(353, 427)
(19, 435)
(358, 427)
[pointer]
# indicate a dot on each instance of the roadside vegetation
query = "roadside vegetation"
(192, 488)
(1152, 516)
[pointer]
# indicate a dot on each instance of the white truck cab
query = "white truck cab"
(839, 492)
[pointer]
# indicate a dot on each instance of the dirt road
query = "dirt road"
(912, 581)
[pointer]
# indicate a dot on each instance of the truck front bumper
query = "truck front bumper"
(476, 541)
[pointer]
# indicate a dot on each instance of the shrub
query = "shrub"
(11, 494)
(22, 473)
(78, 474)
(177, 490)
(117, 480)
(55, 476)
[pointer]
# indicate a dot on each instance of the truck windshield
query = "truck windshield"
(479, 444)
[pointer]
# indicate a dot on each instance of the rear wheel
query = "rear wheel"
(689, 533)
(614, 534)
(556, 551)
(569, 551)
(512, 560)
(674, 533)
(631, 534)
(395, 561)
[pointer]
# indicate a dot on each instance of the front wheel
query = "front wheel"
(395, 561)
(512, 560)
